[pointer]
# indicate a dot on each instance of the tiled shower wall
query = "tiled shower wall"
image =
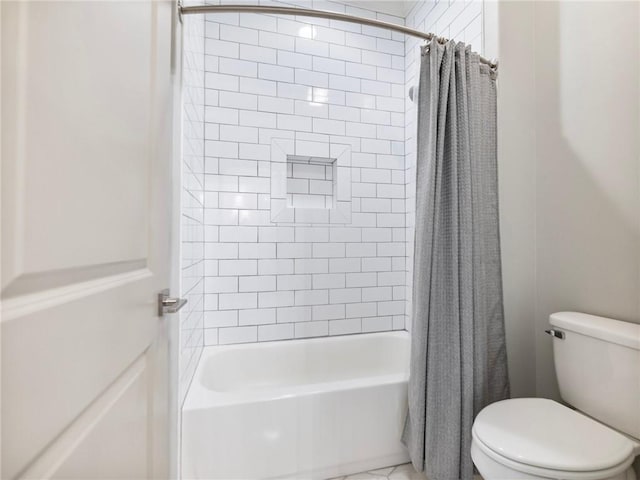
(462, 21)
(312, 87)
(319, 83)
(192, 202)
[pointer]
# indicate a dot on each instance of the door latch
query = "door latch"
(167, 304)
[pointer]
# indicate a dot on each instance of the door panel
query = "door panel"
(57, 360)
(75, 87)
(93, 442)
(86, 195)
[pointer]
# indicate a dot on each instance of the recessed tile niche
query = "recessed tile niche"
(310, 182)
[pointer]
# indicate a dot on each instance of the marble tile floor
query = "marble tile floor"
(399, 472)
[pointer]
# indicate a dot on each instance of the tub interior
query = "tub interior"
(304, 362)
(298, 409)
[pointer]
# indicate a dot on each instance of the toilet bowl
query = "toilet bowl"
(535, 438)
(598, 368)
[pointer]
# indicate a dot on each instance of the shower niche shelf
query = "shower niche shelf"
(310, 182)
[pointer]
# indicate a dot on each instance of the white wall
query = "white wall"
(570, 171)
(587, 170)
(509, 37)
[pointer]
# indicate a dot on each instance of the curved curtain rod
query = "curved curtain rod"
(307, 12)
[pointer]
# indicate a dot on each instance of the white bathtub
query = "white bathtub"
(299, 409)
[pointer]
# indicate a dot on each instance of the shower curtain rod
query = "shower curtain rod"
(308, 12)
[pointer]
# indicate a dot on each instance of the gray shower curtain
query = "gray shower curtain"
(458, 354)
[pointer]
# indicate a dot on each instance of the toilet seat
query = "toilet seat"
(550, 473)
(544, 438)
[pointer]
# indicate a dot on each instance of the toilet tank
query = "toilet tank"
(598, 368)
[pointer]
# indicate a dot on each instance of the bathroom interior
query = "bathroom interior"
(383, 268)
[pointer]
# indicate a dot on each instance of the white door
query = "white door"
(86, 194)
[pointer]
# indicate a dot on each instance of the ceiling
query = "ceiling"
(399, 8)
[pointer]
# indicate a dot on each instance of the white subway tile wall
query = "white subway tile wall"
(462, 21)
(192, 262)
(320, 85)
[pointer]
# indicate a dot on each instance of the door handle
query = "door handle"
(167, 304)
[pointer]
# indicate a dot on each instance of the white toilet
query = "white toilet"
(598, 367)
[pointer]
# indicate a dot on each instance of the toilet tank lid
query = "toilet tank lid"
(606, 329)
